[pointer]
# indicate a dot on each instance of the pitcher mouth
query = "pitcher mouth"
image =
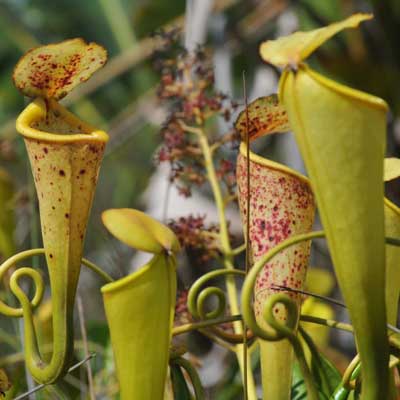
(272, 164)
(49, 121)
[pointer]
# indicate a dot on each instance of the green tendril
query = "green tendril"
(43, 372)
(37, 279)
(197, 299)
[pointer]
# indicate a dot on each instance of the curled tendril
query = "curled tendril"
(248, 286)
(197, 298)
(25, 272)
(279, 330)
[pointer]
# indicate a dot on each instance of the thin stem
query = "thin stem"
(39, 387)
(179, 330)
(238, 250)
(331, 323)
(216, 339)
(225, 246)
(81, 316)
(247, 238)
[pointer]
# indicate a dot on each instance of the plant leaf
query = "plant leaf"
(140, 231)
(299, 389)
(291, 50)
(179, 384)
(391, 169)
(52, 71)
(266, 115)
(326, 376)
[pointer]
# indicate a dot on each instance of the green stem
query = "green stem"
(179, 330)
(226, 250)
(62, 319)
(331, 323)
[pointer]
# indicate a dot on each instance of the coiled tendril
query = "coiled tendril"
(198, 297)
(27, 272)
(42, 371)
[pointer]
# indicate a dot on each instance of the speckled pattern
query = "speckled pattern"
(65, 176)
(52, 71)
(281, 205)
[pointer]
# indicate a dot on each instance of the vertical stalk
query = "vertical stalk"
(227, 259)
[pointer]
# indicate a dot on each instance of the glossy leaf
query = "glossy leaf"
(52, 71)
(140, 231)
(291, 50)
(331, 123)
(265, 115)
(140, 310)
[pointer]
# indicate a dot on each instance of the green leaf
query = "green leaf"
(326, 376)
(266, 115)
(52, 71)
(140, 231)
(299, 389)
(179, 384)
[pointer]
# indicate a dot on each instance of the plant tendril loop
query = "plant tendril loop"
(35, 277)
(197, 299)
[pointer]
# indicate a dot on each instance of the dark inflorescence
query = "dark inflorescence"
(194, 235)
(187, 85)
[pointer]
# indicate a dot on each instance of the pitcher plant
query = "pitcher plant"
(140, 307)
(65, 155)
(281, 205)
(341, 134)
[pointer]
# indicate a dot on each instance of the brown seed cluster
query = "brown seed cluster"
(194, 235)
(187, 86)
